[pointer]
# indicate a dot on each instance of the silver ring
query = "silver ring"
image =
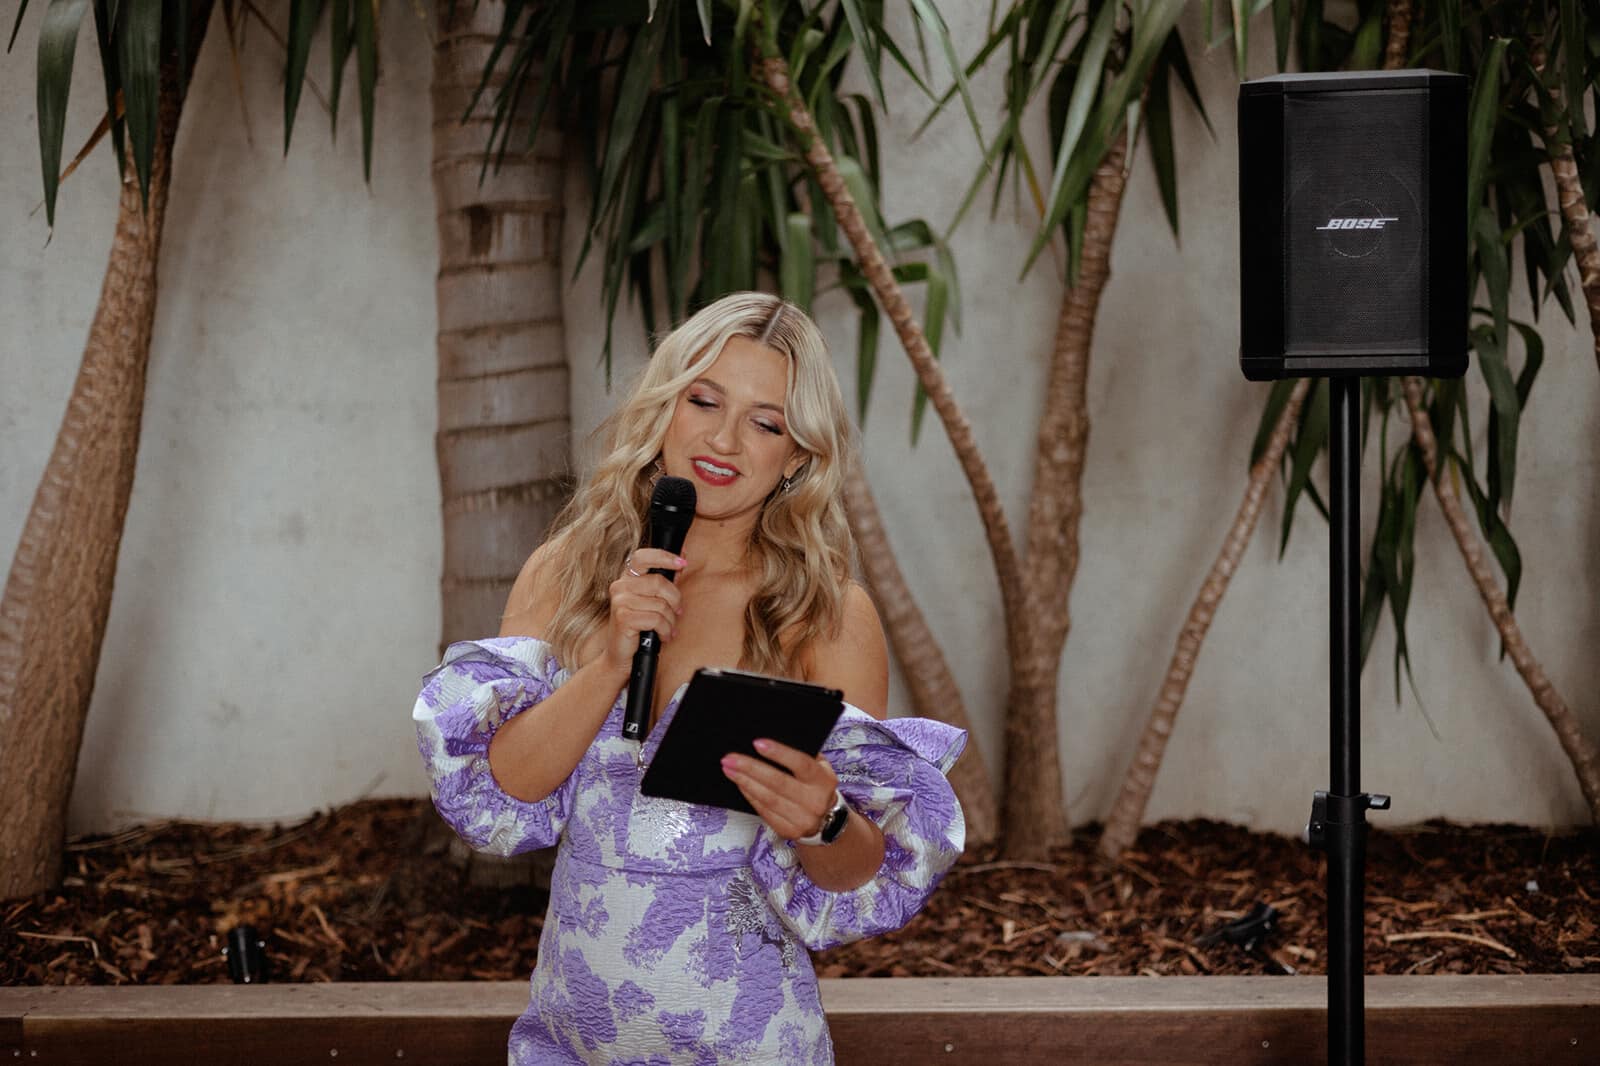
(628, 566)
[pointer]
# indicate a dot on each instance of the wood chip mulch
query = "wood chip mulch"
(368, 893)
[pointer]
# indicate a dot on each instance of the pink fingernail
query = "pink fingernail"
(763, 745)
(681, 560)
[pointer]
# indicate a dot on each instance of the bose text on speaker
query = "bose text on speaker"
(1353, 217)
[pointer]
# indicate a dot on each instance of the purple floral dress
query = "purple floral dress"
(676, 932)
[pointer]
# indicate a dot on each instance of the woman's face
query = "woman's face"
(728, 434)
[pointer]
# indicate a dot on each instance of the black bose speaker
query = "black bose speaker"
(1353, 224)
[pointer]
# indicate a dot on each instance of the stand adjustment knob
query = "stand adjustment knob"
(1344, 810)
(1316, 832)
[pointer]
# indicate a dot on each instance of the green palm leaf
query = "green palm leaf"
(929, 16)
(866, 40)
(1449, 16)
(1573, 40)
(138, 37)
(856, 285)
(1282, 19)
(797, 272)
(104, 24)
(1312, 436)
(1083, 143)
(1481, 113)
(58, 45)
(699, 187)
(22, 9)
(936, 303)
(631, 97)
(1162, 155)
(1085, 88)
(303, 18)
(366, 27)
(340, 34)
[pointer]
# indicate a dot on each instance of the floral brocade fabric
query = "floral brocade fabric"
(677, 933)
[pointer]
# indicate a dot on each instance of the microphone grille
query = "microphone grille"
(673, 494)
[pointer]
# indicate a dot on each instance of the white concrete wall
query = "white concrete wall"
(278, 590)
(1173, 421)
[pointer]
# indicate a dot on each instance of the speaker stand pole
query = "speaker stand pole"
(1338, 816)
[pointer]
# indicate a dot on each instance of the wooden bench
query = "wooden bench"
(1548, 1020)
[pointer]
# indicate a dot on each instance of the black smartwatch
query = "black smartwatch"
(833, 823)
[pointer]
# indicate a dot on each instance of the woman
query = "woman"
(674, 930)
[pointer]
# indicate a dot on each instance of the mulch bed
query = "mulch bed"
(368, 893)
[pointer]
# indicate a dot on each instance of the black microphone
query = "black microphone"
(671, 511)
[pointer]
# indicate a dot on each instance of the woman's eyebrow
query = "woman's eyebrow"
(710, 384)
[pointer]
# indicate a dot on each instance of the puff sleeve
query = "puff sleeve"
(892, 772)
(479, 686)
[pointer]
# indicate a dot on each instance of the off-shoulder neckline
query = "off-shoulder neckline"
(677, 694)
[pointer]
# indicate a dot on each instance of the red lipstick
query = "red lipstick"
(712, 477)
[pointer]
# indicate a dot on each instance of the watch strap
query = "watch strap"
(833, 823)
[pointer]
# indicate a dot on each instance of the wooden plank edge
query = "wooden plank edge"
(841, 996)
(1488, 1021)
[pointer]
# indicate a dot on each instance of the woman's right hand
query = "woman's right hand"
(641, 601)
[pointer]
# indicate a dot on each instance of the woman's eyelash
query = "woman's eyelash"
(709, 404)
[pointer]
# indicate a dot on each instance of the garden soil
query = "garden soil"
(368, 892)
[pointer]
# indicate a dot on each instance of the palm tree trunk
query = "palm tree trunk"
(926, 672)
(58, 592)
(504, 404)
(1574, 209)
(774, 72)
(1584, 756)
(1035, 814)
(1127, 813)
(1569, 192)
(933, 688)
(504, 414)
(1398, 18)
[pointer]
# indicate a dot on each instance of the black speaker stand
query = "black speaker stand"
(1339, 817)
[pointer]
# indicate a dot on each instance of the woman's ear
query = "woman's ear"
(796, 463)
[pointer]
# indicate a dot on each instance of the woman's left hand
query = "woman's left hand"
(792, 804)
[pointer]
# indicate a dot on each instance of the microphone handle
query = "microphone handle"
(642, 681)
(641, 687)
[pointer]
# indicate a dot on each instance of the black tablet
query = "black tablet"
(725, 711)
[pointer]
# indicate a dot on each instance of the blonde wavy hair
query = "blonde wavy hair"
(801, 546)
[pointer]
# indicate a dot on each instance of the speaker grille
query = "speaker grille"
(1354, 226)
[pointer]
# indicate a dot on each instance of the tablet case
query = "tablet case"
(724, 711)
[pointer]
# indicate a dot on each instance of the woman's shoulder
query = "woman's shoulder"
(859, 610)
(532, 602)
(855, 657)
(858, 620)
